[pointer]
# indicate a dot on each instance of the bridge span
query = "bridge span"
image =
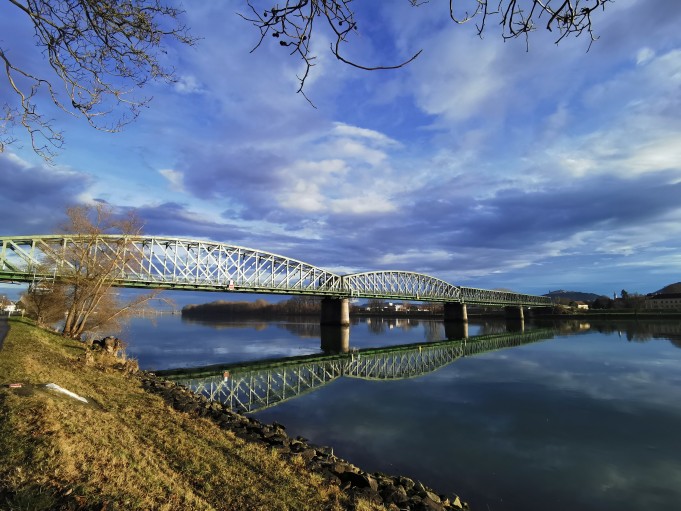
(185, 264)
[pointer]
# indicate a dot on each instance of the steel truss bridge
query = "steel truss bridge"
(184, 264)
(259, 385)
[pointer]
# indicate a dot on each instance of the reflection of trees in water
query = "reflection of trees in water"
(676, 341)
(223, 325)
(636, 331)
(302, 329)
(434, 330)
(492, 327)
(378, 325)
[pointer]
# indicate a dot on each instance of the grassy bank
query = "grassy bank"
(127, 449)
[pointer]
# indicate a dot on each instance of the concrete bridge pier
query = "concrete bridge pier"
(335, 311)
(455, 312)
(335, 339)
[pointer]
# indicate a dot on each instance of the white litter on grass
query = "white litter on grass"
(54, 386)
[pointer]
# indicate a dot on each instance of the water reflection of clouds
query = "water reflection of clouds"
(569, 370)
(575, 432)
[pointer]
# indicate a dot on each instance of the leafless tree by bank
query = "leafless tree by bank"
(82, 291)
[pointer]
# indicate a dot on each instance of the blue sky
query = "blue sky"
(480, 163)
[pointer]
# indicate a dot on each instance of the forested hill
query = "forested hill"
(575, 296)
(671, 288)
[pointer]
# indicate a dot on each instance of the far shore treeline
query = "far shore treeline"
(221, 309)
(301, 306)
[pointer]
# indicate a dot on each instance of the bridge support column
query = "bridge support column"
(335, 311)
(455, 311)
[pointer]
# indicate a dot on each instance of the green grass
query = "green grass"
(126, 450)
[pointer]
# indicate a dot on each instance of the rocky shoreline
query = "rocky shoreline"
(394, 492)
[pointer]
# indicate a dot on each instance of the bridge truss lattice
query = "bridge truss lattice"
(176, 263)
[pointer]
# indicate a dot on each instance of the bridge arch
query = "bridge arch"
(400, 285)
(173, 263)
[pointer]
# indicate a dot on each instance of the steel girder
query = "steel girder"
(176, 263)
(173, 263)
(262, 385)
(488, 297)
(401, 285)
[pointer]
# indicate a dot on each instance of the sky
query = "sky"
(484, 162)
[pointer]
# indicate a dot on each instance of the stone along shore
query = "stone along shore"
(394, 492)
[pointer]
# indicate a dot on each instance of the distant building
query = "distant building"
(10, 307)
(664, 301)
(582, 305)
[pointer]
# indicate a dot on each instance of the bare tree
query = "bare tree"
(86, 270)
(101, 53)
(44, 301)
(292, 23)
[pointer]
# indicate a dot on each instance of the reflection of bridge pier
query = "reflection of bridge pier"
(456, 330)
(335, 339)
(515, 319)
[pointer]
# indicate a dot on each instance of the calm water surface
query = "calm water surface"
(589, 420)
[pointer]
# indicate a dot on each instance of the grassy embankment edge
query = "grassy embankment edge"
(127, 448)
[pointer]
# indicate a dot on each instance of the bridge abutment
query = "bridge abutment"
(455, 312)
(335, 311)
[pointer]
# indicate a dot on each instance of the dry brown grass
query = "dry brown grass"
(127, 449)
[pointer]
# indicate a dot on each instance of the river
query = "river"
(588, 417)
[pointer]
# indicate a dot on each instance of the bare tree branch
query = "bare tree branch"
(292, 23)
(100, 55)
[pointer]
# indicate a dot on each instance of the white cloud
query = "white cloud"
(644, 55)
(188, 84)
(345, 130)
(175, 178)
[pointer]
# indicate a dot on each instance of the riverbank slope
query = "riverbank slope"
(128, 448)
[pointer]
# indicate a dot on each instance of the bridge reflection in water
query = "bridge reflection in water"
(254, 386)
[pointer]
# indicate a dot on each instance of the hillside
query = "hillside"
(577, 296)
(671, 288)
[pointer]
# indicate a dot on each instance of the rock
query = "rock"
(457, 504)
(432, 496)
(406, 482)
(428, 505)
(395, 494)
(367, 494)
(331, 477)
(359, 480)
